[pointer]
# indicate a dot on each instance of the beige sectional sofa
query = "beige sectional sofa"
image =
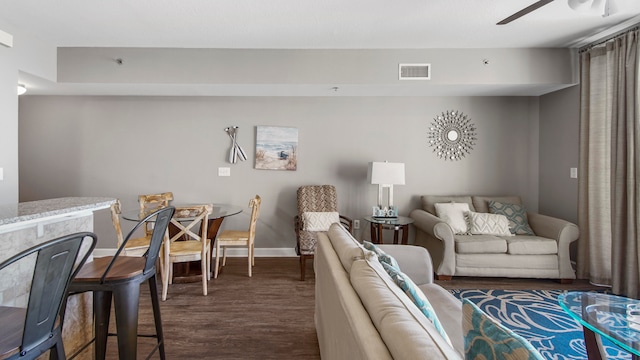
(543, 255)
(360, 313)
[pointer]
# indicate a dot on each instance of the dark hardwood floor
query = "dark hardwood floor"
(268, 316)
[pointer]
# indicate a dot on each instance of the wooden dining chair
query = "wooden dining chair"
(236, 238)
(135, 246)
(150, 203)
(188, 245)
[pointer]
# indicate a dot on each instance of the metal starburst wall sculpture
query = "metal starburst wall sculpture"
(452, 135)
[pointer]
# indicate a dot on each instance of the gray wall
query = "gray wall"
(559, 151)
(28, 54)
(125, 146)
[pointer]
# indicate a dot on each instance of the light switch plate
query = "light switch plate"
(1, 174)
(224, 171)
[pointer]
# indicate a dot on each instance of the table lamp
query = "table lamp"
(385, 175)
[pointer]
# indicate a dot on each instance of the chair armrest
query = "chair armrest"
(413, 260)
(346, 222)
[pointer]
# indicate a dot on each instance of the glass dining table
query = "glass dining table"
(219, 212)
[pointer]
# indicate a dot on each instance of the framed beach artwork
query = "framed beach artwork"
(276, 148)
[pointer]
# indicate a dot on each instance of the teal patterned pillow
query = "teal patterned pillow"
(484, 338)
(382, 256)
(517, 215)
(409, 287)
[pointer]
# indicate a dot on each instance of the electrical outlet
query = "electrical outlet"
(1, 174)
(224, 171)
(573, 173)
(356, 224)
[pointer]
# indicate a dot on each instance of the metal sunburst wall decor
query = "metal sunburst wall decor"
(452, 135)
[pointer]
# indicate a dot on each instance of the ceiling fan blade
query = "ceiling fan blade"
(536, 5)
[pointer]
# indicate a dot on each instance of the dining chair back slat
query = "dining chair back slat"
(186, 245)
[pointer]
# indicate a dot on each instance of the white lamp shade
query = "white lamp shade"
(386, 173)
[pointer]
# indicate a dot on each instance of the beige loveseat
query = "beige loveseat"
(543, 255)
(360, 313)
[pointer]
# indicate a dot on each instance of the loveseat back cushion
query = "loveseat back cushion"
(429, 201)
(346, 246)
(480, 244)
(407, 333)
(481, 203)
(531, 245)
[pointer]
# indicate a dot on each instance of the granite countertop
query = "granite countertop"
(33, 210)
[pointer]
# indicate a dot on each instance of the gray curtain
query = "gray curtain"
(609, 181)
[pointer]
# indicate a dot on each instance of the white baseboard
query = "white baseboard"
(231, 252)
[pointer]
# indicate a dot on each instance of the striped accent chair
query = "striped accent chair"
(314, 201)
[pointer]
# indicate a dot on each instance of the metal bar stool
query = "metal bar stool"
(27, 333)
(119, 278)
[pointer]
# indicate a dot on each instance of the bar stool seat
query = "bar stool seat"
(118, 278)
(122, 285)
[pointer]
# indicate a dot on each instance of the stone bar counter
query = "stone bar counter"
(27, 224)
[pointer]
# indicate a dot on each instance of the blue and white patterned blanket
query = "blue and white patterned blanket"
(537, 316)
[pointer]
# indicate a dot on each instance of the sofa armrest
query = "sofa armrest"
(431, 224)
(560, 230)
(437, 236)
(413, 260)
(564, 232)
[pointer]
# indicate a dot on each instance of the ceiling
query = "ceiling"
(307, 24)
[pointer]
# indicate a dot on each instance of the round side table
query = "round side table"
(395, 223)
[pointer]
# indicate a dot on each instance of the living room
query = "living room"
(120, 120)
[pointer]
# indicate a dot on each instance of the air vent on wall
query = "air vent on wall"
(414, 71)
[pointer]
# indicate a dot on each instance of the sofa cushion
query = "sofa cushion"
(383, 257)
(454, 215)
(531, 245)
(415, 294)
(488, 224)
(406, 332)
(485, 338)
(517, 215)
(481, 203)
(429, 201)
(480, 244)
(449, 310)
(346, 246)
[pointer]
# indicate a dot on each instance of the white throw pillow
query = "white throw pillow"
(454, 215)
(319, 221)
(489, 224)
